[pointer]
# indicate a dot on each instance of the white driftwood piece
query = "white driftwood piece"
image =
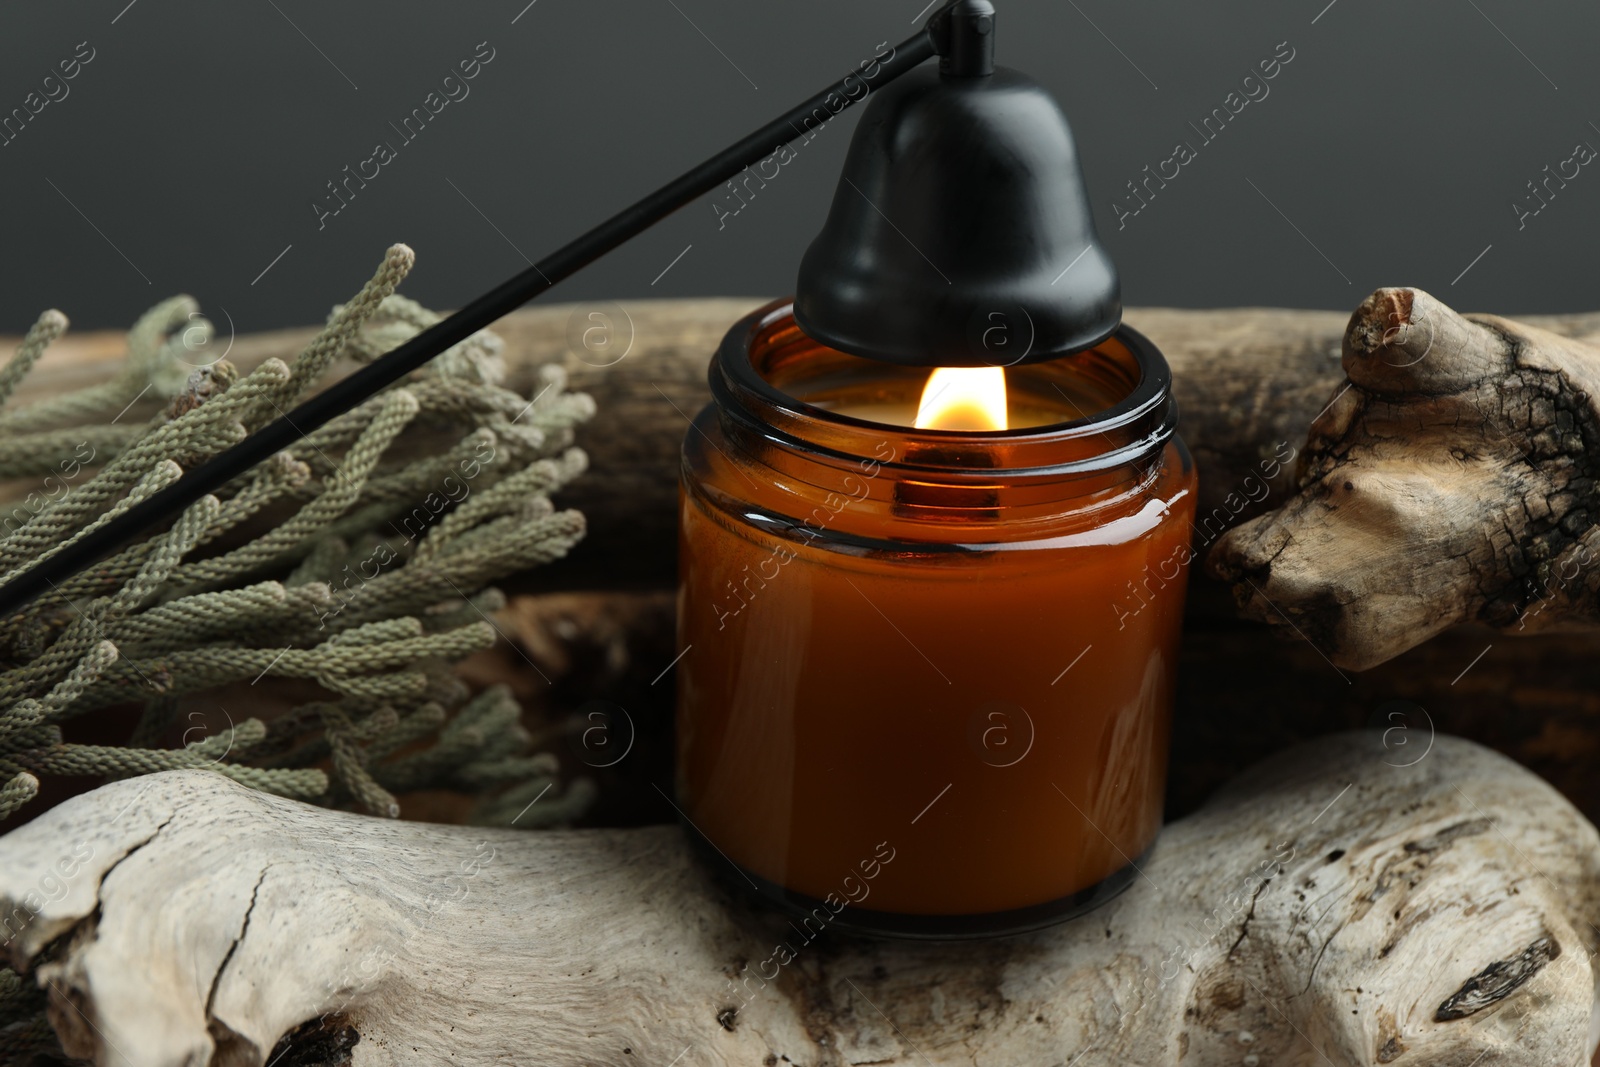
(1333, 906)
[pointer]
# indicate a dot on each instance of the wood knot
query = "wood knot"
(322, 1042)
(1498, 980)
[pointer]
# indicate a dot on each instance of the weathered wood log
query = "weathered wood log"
(1249, 381)
(1331, 907)
(1452, 478)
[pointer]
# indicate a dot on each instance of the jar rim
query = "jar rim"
(1137, 425)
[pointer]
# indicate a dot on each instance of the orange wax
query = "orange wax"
(928, 674)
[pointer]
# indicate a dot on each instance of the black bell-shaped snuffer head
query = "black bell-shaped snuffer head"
(960, 234)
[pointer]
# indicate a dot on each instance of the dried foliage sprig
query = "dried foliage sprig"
(359, 560)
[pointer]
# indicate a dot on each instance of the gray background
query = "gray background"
(188, 153)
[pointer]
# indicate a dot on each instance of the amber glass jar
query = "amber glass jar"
(928, 674)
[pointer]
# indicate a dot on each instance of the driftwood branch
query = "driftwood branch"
(1451, 478)
(1249, 383)
(1337, 904)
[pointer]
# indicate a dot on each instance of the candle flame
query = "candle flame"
(963, 398)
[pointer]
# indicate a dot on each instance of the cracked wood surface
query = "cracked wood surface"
(1328, 907)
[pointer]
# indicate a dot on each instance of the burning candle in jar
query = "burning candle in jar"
(930, 658)
(934, 539)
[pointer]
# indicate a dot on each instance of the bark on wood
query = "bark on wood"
(1331, 906)
(1452, 478)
